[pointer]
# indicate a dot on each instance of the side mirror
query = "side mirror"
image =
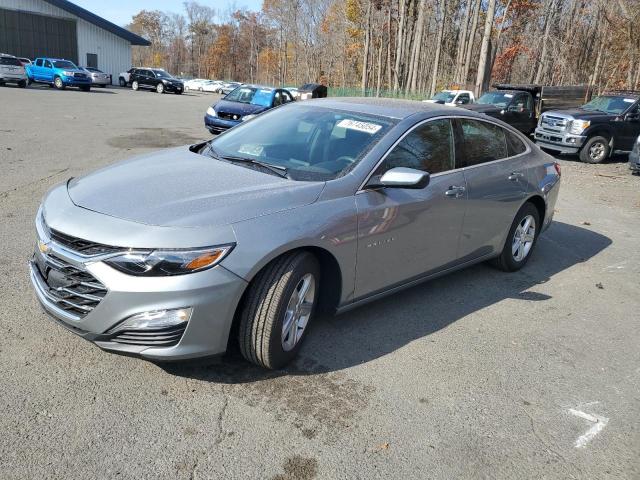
(401, 177)
(632, 117)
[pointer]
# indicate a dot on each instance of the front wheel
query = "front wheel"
(522, 237)
(122, 82)
(595, 150)
(278, 309)
(135, 85)
(58, 83)
(160, 88)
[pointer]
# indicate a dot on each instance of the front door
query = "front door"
(520, 114)
(496, 175)
(406, 233)
(629, 129)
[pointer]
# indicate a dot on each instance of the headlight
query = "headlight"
(66, 73)
(248, 117)
(160, 263)
(211, 112)
(578, 126)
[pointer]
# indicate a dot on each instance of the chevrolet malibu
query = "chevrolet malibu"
(325, 204)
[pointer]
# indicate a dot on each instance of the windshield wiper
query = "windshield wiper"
(278, 170)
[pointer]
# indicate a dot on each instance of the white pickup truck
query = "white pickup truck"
(453, 97)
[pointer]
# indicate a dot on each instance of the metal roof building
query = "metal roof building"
(61, 29)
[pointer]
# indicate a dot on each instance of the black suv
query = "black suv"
(608, 124)
(155, 79)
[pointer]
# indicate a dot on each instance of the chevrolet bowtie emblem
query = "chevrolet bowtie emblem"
(43, 247)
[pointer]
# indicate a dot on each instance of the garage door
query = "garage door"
(30, 35)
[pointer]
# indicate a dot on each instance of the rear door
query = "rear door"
(47, 71)
(495, 167)
(406, 233)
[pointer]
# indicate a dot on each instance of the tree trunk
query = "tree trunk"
(470, 43)
(417, 44)
(367, 41)
(462, 38)
(436, 61)
(484, 48)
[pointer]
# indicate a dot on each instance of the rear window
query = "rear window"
(481, 142)
(10, 61)
(515, 146)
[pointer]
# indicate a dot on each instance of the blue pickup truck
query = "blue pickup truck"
(58, 72)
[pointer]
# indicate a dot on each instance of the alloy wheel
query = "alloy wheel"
(298, 312)
(160, 88)
(597, 151)
(523, 238)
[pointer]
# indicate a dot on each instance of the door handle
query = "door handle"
(515, 176)
(455, 191)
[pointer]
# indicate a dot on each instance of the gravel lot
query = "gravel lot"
(480, 374)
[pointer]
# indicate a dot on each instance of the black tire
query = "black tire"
(58, 83)
(135, 85)
(22, 84)
(29, 81)
(595, 150)
(506, 260)
(122, 82)
(178, 92)
(264, 306)
(85, 88)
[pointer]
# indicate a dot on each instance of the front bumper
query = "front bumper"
(75, 81)
(212, 294)
(101, 81)
(170, 87)
(559, 141)
(219, 125)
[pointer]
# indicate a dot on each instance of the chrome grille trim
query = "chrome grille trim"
(166, 337)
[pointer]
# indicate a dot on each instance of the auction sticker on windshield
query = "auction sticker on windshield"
(366, 127)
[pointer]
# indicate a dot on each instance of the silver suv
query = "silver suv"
(12, 71)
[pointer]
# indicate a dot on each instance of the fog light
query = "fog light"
(571, 140)
(155, 320)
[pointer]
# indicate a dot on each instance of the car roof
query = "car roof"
(386, 107)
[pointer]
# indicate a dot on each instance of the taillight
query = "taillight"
(557, 167)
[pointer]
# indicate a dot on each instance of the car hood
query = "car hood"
(483, 108)
(580, 113)
(179, 188)
(238, 108)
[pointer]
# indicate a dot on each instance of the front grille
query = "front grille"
(71, 289)
(228, 116)
(79, 75)
(165, 337)
(79, 245)
(556, 124)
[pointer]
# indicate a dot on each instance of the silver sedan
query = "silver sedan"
(98, 77)
(325, 204)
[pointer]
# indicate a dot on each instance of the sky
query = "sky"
(121, 11)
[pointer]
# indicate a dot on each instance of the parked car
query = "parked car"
(293, 91)
(211, 86)
(312, 90)
(98, 77)
(608, 124)
(124, 79)
(453, 97)
(155, 79)
(521, 105)
(634, 157)
(228, 87)
(242, 104)
(194, 84)
(24, 60)
(12, 71)
(59, 73)
(180, 253)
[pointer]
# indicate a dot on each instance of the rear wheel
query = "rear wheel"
(58, 83)
(85, 88)
(595, 150)
(122, 82)
(522, 237)
(277, 310)
(22, 84)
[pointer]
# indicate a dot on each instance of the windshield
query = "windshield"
(613, 105)
(499, 99)
(445, 97)
(64, 64)
(162, 74)
(252, 95)
(312, 143)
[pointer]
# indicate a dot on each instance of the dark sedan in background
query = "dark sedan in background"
(242, 104)
(155, 79)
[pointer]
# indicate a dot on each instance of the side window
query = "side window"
(428, 147)
(39, 62)
(515, 146)
(47, 64)
(481, 142)
(463, 99)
